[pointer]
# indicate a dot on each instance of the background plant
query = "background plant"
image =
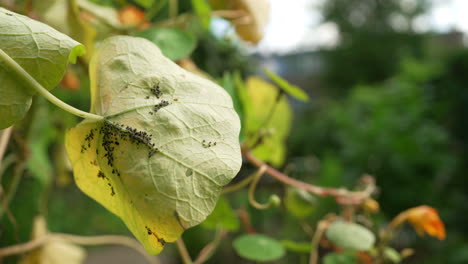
(397, 133)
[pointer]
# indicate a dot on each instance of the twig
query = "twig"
(13, 186)
(209, 249)
(80, 240)
(4, 139)
(321, 227)
(342, 196)
(252, 187)
(229, 14)
(183, 251)
(239, 185)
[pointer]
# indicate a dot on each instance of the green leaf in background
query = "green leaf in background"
(258, 247)
(174, 43)
(41, 50)
(222, 217)
(298, 247)
(145, 3)
(169, 143)
(203, 11)
(350, 236)
(340, 258)
(228, 82)
(392, 255)
(268, 117)
(288, 88)
(299, 202)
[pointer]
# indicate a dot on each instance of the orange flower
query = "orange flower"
(132, 16)
(424, 219)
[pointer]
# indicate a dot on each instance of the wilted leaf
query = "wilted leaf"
(222, 217)
(350, 236)
(102, 18)
(41, 50)
(253, 27)
(288, 88)
(55, 251)
(174, 43)
(258, 247)
(275, 127)
(168, 145)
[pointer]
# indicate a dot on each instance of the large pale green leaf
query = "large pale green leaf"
(258, 247)
(350, 236)
(168, 145)
(268, 118)
(41, 50)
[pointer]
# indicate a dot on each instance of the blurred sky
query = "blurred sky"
(296, 25)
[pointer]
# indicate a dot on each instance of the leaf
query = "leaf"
(174, 43)
(41, 50)
(299, 203)
(340, 258)
(54, 251)
(145, 3)
(288, 88)
(222, 217)
(65, 17)
(168, 145)
(350, 236)
(299, 247)
(258, 247)
(275, 128)
(258, 12)
(203, 11)
(392, 255)
(229, 84)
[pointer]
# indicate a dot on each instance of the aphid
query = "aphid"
(147, 97)
(156, 91)
(175, 99)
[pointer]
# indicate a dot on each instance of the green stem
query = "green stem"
(31, 82)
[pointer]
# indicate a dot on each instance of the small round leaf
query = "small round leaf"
(258, 247)
(350, 236)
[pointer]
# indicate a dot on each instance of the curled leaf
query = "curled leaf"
(252, 28)
(168, 144)
(41, 50)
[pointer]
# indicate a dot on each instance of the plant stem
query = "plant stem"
(186, 259)
(210, 248)
(4, 139)
(36, 86)
(321, 226)
(342, 196)
(239, 185)
(252, 187)
(80, 240)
